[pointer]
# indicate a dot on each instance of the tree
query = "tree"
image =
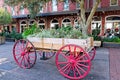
(34, 7)
(5, 17)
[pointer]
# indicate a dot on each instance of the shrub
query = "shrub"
(112, 39)
(63, 32)
(31, 30)
(95, 33)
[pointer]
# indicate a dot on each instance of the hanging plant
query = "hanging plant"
(108, 30)
(116, 29)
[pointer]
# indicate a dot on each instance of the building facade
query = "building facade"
(57, 14)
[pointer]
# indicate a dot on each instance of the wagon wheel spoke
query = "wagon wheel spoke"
(80, 68)
(64, 56)
(62, 62)
(21, 61)
(64, 68)
(78, 71)
(28, 62)
(81, 56)
(82, 65)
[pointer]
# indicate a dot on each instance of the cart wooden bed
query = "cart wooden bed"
(73, 56)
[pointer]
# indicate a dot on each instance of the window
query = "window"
(54, 24)
(112, 25)
(77, 5)
(66, 5)
(96, 23)
(23, 26)
(41, 10)
(22, 10)
(66, 22)
(113, 2)
(54, 5)
(12, 11)
(41, 24)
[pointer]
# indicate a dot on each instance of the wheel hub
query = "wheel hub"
(72, 61)
(23, 53)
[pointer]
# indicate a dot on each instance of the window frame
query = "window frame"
(113, 5)
(54, 6)
(67, 5)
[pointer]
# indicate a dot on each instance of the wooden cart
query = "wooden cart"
(73, 56)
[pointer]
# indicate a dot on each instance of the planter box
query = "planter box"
(2, 40)
(10, 40)
(97, 43)
(111, 44)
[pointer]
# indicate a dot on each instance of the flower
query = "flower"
(108, 30)
(116, 29)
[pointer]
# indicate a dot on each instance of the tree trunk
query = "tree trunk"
(84, 23)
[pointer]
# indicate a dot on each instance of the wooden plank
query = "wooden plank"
(57, 43)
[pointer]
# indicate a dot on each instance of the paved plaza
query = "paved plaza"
(46, 70)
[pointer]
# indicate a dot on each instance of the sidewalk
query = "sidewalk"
(100, 66)
(114, 63)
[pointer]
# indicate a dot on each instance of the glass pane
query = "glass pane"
(78, 5)
(108, 25)
(54, 5)
(113, 2)
(66, 5)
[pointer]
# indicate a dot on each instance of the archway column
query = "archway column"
(72, 22)
(60, 22)
(103, 26)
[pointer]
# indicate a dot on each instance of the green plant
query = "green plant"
(112, 39)
(18, 36)
(30, 30)
(5, 16)
(14, 35)
(95, 33)
(63, 32)
(2, 34)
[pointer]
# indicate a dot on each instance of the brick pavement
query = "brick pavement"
(114, 63)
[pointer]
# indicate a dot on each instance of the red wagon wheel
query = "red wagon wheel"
(92, 53)
(73, 62)
(24, 54)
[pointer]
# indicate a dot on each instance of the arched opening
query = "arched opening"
(54, 24)
(41, 24)
(23, 26)
(77, 24)
(31, 23)
(96, 22)
(66, 22)
(112, 25)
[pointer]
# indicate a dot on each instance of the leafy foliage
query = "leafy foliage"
(30, 30)
(13, 35)
(112, 39)
(5, 17)
(95, 33)
(63, 32)
(34, 6)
